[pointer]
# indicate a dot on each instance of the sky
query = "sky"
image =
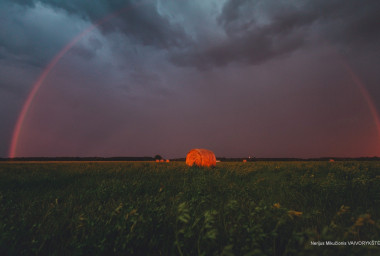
(262, 78)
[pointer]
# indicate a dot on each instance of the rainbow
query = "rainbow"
(365, 94)
(36, 87)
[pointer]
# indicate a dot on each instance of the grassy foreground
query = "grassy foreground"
(261, 208)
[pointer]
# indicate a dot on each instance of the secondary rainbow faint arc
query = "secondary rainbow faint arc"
(51, 65)
(44, 74)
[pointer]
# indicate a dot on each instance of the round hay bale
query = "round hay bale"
(200, 157)
(167, 160)
(244, 160)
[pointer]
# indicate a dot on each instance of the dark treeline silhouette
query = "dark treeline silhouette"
(253, 159)
(221, 159)
(121, 158)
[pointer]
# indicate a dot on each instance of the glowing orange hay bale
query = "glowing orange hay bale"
(245, 160)
(167, 160)
(201, 157)
(157, 161)
(162, 160)
(331, 160)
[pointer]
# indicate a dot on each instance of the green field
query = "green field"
(144, 208)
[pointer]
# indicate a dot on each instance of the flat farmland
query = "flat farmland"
(146, 208)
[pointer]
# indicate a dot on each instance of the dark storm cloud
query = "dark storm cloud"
(34, 31)
(257, 31)
(32, 35)
(271, 83)
(142, 21)
(137, 19)
(254, 31)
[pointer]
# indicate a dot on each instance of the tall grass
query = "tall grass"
(262, 208)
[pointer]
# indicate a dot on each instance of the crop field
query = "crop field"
(146, 208)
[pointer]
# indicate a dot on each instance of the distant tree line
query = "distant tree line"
(122, 158)
(158, 157)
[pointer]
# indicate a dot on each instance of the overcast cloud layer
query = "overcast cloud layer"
(242, 78)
